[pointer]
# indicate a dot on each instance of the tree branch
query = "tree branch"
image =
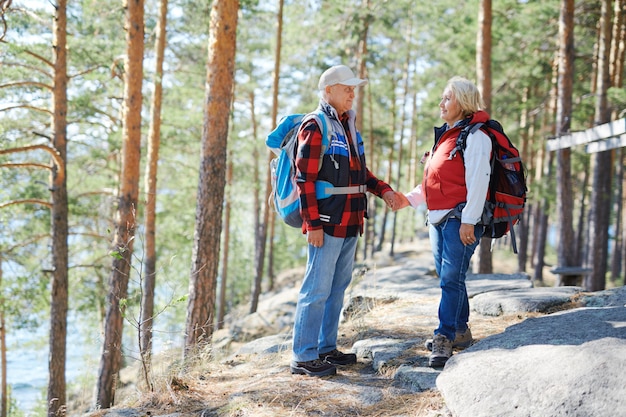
(27, 84)
(28, 67)
(26, 201)
(58, 161)
(24, 165)
(26, 106)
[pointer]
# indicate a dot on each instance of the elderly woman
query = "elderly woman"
(454, 188)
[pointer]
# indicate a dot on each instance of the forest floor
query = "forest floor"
(220, 383)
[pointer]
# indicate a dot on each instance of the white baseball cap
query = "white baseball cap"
(339, 74)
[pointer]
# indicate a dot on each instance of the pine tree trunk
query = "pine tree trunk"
(271, 215)
(566, 249)
(3, 354)
(111, 359)
(616, 259)
(618, 43)
(260, 231)
(210, 198)
(483, 75)
(401, 151)
(150, 185)
(581, 223)
(261, 241)
(56, 398)
(602, 164)
(618, 48)
(525, 129)
(221, 310)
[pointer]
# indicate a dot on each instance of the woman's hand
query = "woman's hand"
(403, 201)
(466, 233)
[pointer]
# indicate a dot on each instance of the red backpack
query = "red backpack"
(506, 197)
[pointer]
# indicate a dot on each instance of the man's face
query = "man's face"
(340, 97)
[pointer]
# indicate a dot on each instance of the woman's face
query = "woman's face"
(450, 111)
(340, 97)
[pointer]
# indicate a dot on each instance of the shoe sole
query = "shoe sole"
(302, 371)
(332, 362)
(437, 362)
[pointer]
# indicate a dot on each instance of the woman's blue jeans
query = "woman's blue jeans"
(328, 274)
(452, 260)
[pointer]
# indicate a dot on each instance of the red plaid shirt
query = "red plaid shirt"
(307, 163)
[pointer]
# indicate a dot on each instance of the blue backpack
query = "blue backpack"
(283, 141)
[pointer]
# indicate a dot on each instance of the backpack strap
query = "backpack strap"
(324, 189)
(320, 119)
(461, 140)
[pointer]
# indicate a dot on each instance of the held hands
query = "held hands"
(404, 202)
(395, 200)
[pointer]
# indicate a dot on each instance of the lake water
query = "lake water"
(27, 362)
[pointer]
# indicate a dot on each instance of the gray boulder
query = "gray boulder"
(536, 300)
(565, 364)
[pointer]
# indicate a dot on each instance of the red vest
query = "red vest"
(444, 178)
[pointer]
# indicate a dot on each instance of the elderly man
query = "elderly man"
(332, 224)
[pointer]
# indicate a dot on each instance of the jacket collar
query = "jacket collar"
(480, 116)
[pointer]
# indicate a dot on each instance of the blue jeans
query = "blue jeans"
(328, 274)
(452, 260)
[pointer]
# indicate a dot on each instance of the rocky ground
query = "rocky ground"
(540, 351)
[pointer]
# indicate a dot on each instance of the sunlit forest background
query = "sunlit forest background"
(406, 49)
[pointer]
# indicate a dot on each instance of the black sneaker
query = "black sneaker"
(336, 357)
(315, 367)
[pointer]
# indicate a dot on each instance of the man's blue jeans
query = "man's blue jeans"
(452, 260)
(328, 274)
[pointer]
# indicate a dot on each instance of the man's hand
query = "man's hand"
(395, 200)
(390, 199)
(315, 237)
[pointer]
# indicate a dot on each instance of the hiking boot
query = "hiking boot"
(315, 367)
(462, 340)
(442, 350)
(336, 357)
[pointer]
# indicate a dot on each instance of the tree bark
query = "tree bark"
(403, 117)
(616, 259)
(483, 76)
(111, 359)
(148, 282)
(221, 311)
(218, 99)
(3, 354)
(618, 47)
(602, 164)
(56, 396)
(566, 248)
(526, 130)
(261, 241)
(150, 184)
(618, 43)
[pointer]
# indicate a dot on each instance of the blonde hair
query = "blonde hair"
(467, 95)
